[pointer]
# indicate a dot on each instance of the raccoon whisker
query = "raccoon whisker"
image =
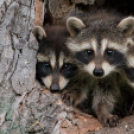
(119, 70)
(82, 70)
(119, 63)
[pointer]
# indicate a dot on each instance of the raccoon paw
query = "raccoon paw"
(70, 98)
(109, 120)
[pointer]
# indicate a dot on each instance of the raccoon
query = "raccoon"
(101, 41)
(55, 67)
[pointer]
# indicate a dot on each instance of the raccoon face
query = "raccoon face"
(100, 50)
(54, 66)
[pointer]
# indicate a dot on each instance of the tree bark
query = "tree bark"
(26, 106)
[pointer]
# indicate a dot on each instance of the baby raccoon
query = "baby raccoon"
(100, 42)
(54, 67)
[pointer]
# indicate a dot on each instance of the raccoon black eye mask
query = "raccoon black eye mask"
(68, 70)
(43, 69)
(85, 56)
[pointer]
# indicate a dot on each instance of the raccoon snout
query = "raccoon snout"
(98, 72)
(54, 88)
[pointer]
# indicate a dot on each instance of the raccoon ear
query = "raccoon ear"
(127, 25)
(74, 25)
(39, 33)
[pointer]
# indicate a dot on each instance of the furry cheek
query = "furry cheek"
(62, 82)
(130, 61)
(107, 68)
(90, 67)
(47, 81)
(131, 84)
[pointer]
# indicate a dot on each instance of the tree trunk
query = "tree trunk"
(25, 106)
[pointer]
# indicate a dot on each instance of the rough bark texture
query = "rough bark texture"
(25, 106)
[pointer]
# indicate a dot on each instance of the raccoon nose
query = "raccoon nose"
(54, 88)
(98, 72)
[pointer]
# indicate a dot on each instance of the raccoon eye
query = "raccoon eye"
(66, 66)
(110, 52)
(47, 65)
(89, 52)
